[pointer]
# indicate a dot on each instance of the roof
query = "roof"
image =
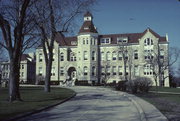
(88, 26)
(132, 38)
(87, 14)
(25, 57)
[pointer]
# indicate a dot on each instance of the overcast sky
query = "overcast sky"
(133, 16)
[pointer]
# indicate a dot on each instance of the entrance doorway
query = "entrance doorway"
(72, 76)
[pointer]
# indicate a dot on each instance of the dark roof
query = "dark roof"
(132, 38)
(25, 57)
(88, 26)
(87, 14)
(65, 41)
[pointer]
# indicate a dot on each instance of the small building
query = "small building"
(27, 70)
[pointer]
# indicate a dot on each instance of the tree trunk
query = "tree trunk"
(48, 76)
(14, 93)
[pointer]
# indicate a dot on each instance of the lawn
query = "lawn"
(166, 89)
(168, 104)
(33, 98)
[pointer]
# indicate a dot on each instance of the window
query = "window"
(53, 57)
(105, 40)
(114, 55)
(93, 70)
(161, 54)
(148, 41)
(122, 39)
(135, 54)
(22, 66)
(108, 55)
(40, 71)
(61, 71)
(72, 56)
(93, 55)
(119, 55)
(102, 56)
(148, 54)
(136, 70)
(108, 70)
(114, 70)
(53, 71)
(85, 55)
(87, 40)
(40, 57)
(83, 41)
(85, 71)
(120, 70)
(22, 74)
(61, 56)
(102, 70)
(148, 69)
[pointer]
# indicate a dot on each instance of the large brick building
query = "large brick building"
(89, 57)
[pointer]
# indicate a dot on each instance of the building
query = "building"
(90, 57)
(27, 70)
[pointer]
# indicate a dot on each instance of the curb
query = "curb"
(38, 110)
(139, 108)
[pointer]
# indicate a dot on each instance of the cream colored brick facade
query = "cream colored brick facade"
(82, 58)
(27, 70)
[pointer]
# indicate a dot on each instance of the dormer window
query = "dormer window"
(86, 28)
(105, 40)
(73, 43)
(122, 39)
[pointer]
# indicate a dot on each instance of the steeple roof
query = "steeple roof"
(88, 26)
(87, 14)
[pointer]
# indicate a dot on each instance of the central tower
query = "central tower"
(87, 51)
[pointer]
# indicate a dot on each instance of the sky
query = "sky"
(134, 16)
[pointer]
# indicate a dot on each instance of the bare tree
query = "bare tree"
(52, 17)
(160, 62)
(105, 72)
(123, 51)
(15, 24)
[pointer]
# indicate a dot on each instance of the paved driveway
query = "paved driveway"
(92, 104)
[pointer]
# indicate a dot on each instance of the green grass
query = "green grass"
(168, 104)
(33, 98)
(166, 89)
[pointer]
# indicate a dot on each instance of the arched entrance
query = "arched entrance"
(72, 76)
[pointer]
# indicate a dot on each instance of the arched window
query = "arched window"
(102, 56)
(91, 41)
(93, 55)
(85, 55)
(40, 57)
(114, 55)
(148, 41)
(87, 40)
(93, 71)
(85, 70)
(61, 56)
(83, 41)
(108, 55)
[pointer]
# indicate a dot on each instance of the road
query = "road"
(93, 104)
